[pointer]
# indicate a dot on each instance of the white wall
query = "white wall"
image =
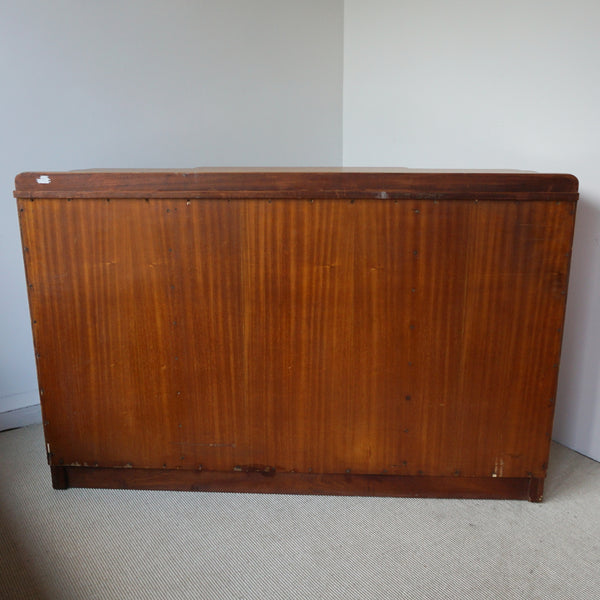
(492, 84)
(151, 83)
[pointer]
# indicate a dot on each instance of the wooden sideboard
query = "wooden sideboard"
(327, 331)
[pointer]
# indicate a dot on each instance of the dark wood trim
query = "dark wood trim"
(295, 184)
(304, 194)
(60, 480)
(511, 488)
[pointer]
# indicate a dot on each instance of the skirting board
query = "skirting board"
(20, 417)
(337, 484)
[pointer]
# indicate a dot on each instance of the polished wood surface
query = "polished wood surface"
(405, 335)
(298, 183)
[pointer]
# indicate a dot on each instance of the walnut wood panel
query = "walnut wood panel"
(363, 336)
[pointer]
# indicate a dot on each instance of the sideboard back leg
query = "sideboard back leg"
(59, 478)
(536, 489)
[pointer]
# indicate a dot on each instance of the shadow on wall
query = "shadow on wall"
(577, 409)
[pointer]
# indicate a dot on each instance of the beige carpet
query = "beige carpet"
(84, 544)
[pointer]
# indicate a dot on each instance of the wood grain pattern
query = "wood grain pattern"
(302, 336)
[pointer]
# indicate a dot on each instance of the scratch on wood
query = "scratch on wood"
(498, 467)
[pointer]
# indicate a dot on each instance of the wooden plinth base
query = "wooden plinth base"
(508, 488)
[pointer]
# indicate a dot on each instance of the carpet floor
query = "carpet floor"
(110, 544)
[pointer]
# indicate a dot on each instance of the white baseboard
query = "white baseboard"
(21, 417)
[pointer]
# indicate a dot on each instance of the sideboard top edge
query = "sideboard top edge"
(290, 183)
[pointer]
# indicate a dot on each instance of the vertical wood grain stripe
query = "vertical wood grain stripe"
(318, 336)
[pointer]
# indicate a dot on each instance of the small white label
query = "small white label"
(43, 179)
